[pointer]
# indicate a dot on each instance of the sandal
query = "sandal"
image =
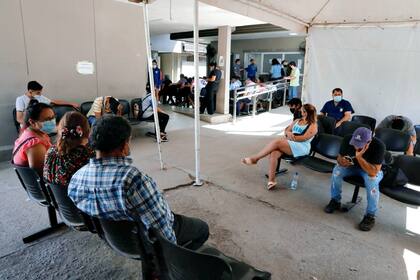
(271, 185)
(247, 161)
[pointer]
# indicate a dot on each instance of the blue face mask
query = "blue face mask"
(337, 98)
(48, 126)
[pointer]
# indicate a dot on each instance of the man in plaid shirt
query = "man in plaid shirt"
(109, 187)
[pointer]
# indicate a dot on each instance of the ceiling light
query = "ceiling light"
(293, 34)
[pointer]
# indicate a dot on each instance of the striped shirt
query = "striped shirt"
(111, 188)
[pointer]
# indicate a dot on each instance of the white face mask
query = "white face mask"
(154, 66)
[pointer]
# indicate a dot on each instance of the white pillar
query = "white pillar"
(223, 62)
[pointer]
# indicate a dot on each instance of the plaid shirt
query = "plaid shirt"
(111, 188)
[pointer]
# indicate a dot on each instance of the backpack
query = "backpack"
(138, 108)
(394, 177)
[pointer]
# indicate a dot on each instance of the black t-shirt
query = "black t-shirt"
(374, 154)
(218, 74)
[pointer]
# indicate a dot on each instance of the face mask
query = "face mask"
(292, 110)
(48, 126)
(337, 98)
(154, 66)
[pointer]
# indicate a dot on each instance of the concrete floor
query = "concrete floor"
(282, 231)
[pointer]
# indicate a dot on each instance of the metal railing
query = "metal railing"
(252, 91)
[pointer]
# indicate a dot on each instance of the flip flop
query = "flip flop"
(271, 185)
(247, 161)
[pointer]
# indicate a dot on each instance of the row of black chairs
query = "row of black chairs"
(160, 258)
(325, 149)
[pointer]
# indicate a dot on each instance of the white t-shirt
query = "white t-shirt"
(147, 106)
(22, 101)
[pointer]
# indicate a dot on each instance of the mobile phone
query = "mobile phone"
(350, 159)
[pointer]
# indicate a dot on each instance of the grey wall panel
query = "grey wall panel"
(60, 33)
(13, 70)
(120, 49)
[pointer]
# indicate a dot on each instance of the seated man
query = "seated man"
(34, 92)
(110, 187)
(103, 105)
(295, 104)
(147, 114)
(338, 108)
(361, 155)
(403, 124)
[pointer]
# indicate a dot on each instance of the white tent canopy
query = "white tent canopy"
(299, 14)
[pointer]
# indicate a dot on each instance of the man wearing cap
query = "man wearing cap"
(361, 155)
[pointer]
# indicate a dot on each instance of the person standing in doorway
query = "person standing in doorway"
(294, 80)
(251, 70)
(157, 78)
(212, 87)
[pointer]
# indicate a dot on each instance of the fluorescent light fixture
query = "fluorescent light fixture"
(293, 34)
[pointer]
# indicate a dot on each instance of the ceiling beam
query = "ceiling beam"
(260, 12)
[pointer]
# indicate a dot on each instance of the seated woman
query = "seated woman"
(71, 151)
(296, 142)
(32, 145)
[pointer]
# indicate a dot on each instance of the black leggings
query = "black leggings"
(163, 120)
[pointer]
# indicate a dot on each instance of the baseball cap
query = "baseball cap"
(361, 137)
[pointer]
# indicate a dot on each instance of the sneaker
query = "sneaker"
(163, 138)
(332, 206)
(367, 223)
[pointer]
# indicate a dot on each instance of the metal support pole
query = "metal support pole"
(254, 105)
(284, 94)
(152, 82)
(198, 181)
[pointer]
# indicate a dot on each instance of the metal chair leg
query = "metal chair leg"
(54, 227)
(356, 199)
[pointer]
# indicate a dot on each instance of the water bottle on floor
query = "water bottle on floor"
(294, 182)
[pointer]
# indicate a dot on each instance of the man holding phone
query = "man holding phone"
(361, 155)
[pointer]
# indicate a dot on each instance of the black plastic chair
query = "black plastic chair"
(410, 166)
(68, 212)
(179, 263)
(128, 239)
(394, 140)
(17, 124)
(289, 159)
(326, 124)
(61, 110)
(37, 192)
(371, 122)
(85, 107)
(326, 145)
(347, 128)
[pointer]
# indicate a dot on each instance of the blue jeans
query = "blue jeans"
(92, 120)
(371, 185)
(293, 92)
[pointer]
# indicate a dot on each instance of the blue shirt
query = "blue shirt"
(111, 188)
(337, 112)
(156, 77)
(275, 71)
(251, 71)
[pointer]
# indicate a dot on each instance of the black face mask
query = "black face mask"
(292, 110)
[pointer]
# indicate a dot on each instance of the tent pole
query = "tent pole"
(152, 82)
(198, 181)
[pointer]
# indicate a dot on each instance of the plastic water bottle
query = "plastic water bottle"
(294, 182)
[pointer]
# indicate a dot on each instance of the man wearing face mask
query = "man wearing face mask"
(34, 92)
(338, 108)
(295, 104)
(157, 78)
(361, 155)
(110, 187)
